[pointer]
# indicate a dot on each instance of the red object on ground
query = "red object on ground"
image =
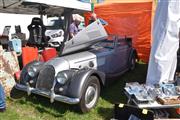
(29, 54)
(49, 53)
(178, 111)
(17, 75)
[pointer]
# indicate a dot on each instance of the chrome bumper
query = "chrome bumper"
(50, 95)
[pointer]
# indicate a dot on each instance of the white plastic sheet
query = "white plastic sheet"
(163, 57)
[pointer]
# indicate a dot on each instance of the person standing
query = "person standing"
(73, 28)
(163, 56)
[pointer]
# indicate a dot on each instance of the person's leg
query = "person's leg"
(2, 99)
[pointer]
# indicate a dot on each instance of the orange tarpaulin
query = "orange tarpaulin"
(129, 18)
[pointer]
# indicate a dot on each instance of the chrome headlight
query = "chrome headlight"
(34, 69)
(62, 78)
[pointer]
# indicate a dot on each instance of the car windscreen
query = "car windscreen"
(54, 24)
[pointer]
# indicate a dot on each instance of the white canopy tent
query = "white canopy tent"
(163, 57)
(32, 6)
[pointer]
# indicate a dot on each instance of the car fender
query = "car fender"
(77, 84)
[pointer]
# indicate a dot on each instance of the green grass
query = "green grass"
(35, 107)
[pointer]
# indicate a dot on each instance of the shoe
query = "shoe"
(2, 109)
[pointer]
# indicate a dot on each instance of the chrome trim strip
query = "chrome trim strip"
(50, 95)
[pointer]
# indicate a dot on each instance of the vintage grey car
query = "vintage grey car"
(77, 78)
(85, 63)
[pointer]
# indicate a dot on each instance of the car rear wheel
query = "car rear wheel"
(90, 95)
(133, 62)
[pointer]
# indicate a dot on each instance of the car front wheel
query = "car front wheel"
(90, 94)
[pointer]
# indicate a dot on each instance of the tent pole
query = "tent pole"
(41, 11)
(3, 3)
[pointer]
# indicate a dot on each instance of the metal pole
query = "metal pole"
(3, 3)
(41, 12)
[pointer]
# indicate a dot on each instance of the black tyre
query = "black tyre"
(16, 94)
(90, 94)
(133, 62)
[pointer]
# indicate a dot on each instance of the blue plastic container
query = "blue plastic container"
(15, 45)
(2, 98)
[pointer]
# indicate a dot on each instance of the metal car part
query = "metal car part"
(88, 36)
(53, 97)
(91, 96)
(34, 69)
(61, 78)
(46, 78)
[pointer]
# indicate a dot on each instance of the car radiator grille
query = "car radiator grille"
(46, 78)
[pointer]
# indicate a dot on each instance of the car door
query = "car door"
(104, 56)
(120, 56)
